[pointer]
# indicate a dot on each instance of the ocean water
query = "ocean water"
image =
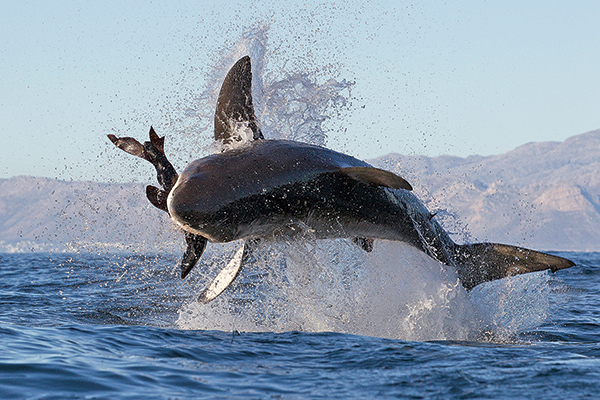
(304, 320)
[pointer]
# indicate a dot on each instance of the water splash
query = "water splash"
(395, 291)
(297, 107)
(294, 107)
(509, 306)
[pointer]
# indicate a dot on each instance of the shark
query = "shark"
(256, 188)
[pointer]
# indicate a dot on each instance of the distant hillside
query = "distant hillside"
(40, 214)
(541, 195)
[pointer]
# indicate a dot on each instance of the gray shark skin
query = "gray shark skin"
(267, 188)
(271, 186)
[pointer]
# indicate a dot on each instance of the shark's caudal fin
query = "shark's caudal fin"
(235, 112)
(484, 262)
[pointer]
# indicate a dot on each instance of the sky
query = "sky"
(430, 77)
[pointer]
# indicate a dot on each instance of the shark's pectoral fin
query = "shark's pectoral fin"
(376, 177)
(484, 262)
(227, 274)
(195, 248)
(364, 243)
(157, 197)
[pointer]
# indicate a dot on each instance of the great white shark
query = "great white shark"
(257, 188)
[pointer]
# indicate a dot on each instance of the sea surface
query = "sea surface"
(333, 325)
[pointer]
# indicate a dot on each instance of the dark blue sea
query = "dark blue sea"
(105, 326)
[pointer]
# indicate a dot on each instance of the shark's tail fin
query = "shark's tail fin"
(484, 262)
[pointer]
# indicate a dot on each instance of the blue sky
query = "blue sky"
(459, 78)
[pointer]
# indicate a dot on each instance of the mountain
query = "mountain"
(540, 195)
(41, 214)
(544, 196)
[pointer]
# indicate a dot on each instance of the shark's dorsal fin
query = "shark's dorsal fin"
(235, 112)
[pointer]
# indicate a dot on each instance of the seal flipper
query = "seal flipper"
(157, 197)
(165, 173)
(152, 151)
(485, 262)
(227, 274)
(159, 142)
(129, 145)
(234, 106)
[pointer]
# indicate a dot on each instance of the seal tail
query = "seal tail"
(485, 262)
